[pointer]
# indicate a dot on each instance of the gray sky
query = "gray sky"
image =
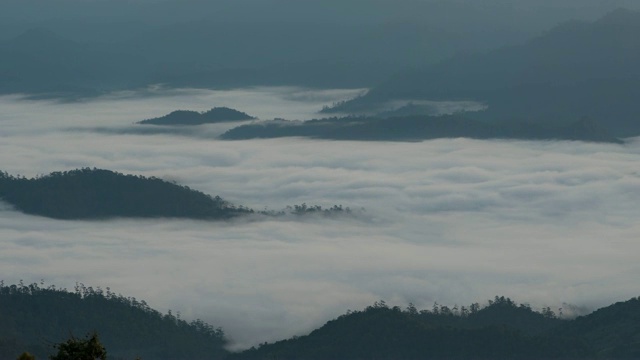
(452, 221)
(354, 43)
(525, 17)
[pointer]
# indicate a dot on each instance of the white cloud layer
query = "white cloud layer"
(452, 221)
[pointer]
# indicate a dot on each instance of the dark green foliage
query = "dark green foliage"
(80, 349)
(380, 332)
(32, 315)
(216, 49)
(33, 318)
(412, 128)
(10, 347)
(613, 332)
(187, 117)
(500, 330)
(102, 194)
(306, 210)
(95, 194)
(26, 356)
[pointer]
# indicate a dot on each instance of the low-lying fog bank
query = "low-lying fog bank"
(452, 221)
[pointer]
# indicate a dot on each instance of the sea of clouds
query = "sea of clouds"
(454, 221)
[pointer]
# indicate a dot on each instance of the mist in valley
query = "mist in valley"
(452, 220)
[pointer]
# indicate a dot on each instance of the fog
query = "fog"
(454, 221)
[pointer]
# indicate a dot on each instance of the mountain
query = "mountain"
(329, 44)
(104, 194)
(382, 332)
(186, 117)
(613, 331)
(574, 70)
(415, 128)
(34, 318)
(98, 194)
(501, 330)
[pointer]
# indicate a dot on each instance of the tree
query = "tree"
(79, 349)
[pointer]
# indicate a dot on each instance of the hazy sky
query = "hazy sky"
(331, 43)
(452, 221)
(522, 16)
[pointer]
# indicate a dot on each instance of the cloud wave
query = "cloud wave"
(452, 221)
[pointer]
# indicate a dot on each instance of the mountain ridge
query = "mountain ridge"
(417, 128)
(188, 117)
(500, 329)
(573, 70)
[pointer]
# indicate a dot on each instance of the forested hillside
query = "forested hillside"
(188, 117)
(33, 318)
(501, 330)
(413, 128)
(104, 194)
(97, 194)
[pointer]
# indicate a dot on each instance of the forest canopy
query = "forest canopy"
(188, 117)
(35, 317)
(97, 194)
(103, 194)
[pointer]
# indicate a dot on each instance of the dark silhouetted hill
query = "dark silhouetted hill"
(128, 45)
(33, 318)
(98, 194)
(613, 332)
(501, 330)
(186, 117)
(574, 70)
(414, 128)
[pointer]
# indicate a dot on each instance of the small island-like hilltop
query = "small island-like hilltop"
(189, 117)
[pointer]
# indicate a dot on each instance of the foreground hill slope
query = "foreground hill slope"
(390, 333)
(501, 330)
(97, 194)
(85, 194)
(613, 331)
(33, 318)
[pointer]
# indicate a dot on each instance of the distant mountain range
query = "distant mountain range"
(574, 70)
(218, 54)
(187, 117)
(417, 127)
